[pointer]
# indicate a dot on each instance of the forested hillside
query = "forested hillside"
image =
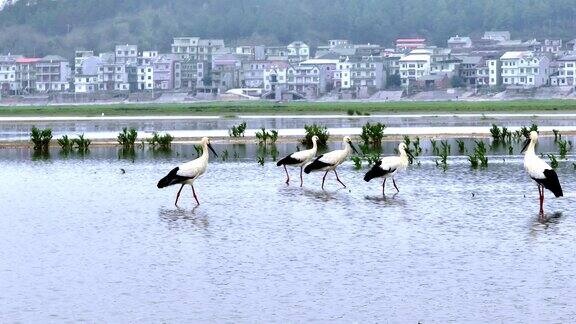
(60, 26)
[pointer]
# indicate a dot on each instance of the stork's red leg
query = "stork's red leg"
(336, 173)
(384, 187)
(287, 175)
(194, 193)
(394, 182)
(301, 178)
(541, 200)
(323, 179)
(178, 196)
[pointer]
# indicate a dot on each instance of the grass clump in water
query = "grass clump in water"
(127, 137)
(40, 138)
(265, 137)
(82, 143)
(372, 134)
(318, 130)
(238, 131)
(162, 142)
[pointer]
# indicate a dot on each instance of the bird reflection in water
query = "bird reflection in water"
(180, 217)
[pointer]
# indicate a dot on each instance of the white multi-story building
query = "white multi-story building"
(343, 75)
(145, 70)
(298, 52)
(85, 83)
(524, 69)
(494, 72)
(567, 70)
(126, 54)
(275, 75)
(414, 66)
(52, 74)
(9, 83)
(304, 79)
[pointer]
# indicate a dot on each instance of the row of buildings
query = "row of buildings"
(207, 67)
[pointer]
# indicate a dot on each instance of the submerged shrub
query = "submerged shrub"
(372, 134)
(127, 137)
(357, 162)
(40, 138)
(238, 131)
(82, 143)
(563, 147)
(66, 143)
(461, 146)
(318, 130)
(264, 136)
(162, 142)
(553, 161)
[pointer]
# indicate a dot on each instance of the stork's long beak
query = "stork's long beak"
(353, 147)
(525, 146)
(212, 149)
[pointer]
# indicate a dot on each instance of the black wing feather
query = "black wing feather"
(289, 160)
(172, 178)
(316, 165)
(551, 182)
(377, 172)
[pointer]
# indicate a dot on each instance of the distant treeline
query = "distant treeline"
(60, 26)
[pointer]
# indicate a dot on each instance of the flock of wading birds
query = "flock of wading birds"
(387, 167)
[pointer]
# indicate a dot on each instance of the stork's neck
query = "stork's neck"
(205, 154)
(347, 148)
(315, 145)
(530, 150)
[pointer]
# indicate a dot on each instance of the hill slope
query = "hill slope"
(47, 26)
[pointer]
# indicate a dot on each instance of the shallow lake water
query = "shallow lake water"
(83, 241)
(195, 126)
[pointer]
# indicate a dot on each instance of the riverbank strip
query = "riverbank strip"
(233, 108)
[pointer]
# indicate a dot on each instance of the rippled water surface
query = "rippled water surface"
(80, 240)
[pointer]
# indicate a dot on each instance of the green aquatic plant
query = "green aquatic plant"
(261, 160)
(66, 143)
(372, 134)
(510, 150)
(238, 131)
(563, 148)
(474, 162)
(273, 152)
(162, 142)
(127, 137)
(318, 130)
(461, 146)
(434, 147)
(495, 132)
(500, 135)
(553, 161)
(82, 143)
(224, 155)
(264, 136)
(357, 162)
(40, 138)
(445, 147)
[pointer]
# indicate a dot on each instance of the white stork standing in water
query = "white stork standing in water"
(389, 166)
(188, 172)
(300, 158)
(329, 161)
(540, 171)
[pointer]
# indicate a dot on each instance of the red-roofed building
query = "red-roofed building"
(410, 43)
